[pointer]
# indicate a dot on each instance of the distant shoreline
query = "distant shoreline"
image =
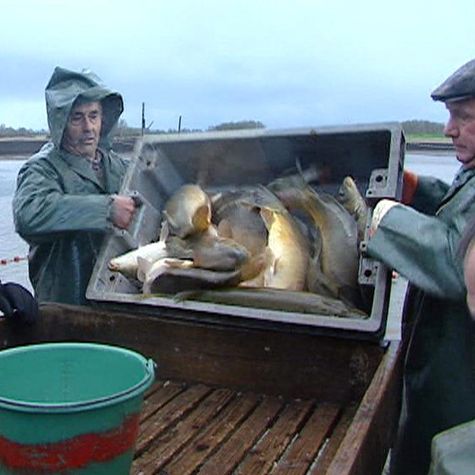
(425, 147)
(21, 148)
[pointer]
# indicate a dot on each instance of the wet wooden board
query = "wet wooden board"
(194, 428)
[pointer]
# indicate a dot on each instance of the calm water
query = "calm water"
(11, 245)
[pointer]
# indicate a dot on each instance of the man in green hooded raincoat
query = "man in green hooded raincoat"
(67, 198)
(420, 242)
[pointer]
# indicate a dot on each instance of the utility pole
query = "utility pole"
(143, 118)
(179, 124)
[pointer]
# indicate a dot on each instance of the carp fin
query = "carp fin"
(143, 268)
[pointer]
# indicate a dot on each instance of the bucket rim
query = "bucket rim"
(88, 404)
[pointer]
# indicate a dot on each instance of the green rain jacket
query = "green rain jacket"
(439, 382)
(453, 451)
(60, 207)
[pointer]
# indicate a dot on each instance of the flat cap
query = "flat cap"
(460, 85)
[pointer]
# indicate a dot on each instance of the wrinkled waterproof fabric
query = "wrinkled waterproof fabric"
(439, 380)
(60, 207)
(453, 451)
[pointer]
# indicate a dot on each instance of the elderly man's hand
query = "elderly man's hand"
(379, 211)
(123, 208)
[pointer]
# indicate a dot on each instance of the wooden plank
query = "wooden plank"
(154, 387)
(169, 415)
(164, 392)
(175, 438)
(330, 448)
(305, 447)
(235, 448)
(364, 448)
(218, 430)
(272, 445)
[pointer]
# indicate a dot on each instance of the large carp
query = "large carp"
(287, 252)
(350, 197)
(172, 276)
(185, 258)
(127, 263)
(208, 250)
(238, 220)
(284, 301)
(149, 272)
(338, 248)
(200, 261)
(188, 211)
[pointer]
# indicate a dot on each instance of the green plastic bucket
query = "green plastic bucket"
(70, 408)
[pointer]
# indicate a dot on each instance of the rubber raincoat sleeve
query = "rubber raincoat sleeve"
(429, 193)
(422, 248)
(42, 210)
(453, 451)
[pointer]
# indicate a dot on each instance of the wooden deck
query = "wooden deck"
(233, 400)
(190, 429)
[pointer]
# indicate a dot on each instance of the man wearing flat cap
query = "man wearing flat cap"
(419, 239)
(459, 86)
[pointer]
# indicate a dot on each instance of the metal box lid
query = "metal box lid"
(373, 154)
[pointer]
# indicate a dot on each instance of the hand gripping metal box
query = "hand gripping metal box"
(373, 154)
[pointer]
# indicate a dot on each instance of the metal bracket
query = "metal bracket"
(377, 187)
(368, 271)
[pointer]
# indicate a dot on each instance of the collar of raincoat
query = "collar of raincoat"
(65, 87)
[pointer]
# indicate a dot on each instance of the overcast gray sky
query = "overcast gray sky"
(286, 63)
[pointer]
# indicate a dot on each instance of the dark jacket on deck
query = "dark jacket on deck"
(61, 207)
(440, 364)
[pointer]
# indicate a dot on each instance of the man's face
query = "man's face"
(461, 129)
(83, 129)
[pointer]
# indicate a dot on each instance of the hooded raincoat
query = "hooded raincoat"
(421, 244)
(61, 207)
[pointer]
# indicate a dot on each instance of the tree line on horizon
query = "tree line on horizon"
(419, 127)
(123, 130)
(6, 131)
(422, 127)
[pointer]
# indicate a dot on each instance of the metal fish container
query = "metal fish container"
(373, 154)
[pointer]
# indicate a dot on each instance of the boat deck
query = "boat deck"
(187, 429)
(233, 400)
